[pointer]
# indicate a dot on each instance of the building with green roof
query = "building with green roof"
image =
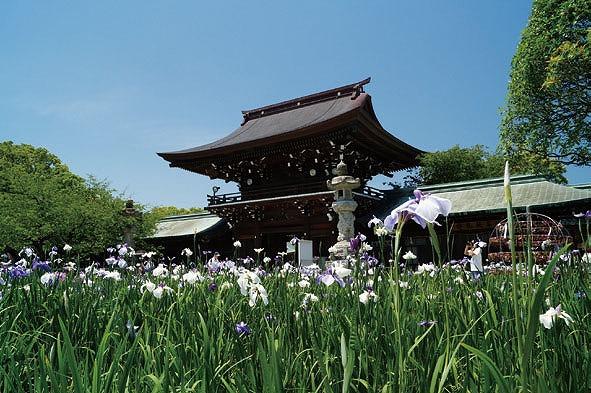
(478, 205)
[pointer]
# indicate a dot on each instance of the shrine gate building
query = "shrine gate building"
(281, 157)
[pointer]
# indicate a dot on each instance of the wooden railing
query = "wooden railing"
(372, 192)
(281, 191)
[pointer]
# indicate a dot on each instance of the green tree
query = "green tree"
(548, 110)
(159, 212)
(43, 204)
(458, 164)
(471, 163)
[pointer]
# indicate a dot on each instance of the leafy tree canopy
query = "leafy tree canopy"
(471, 163)
(457, 164)
(548, 110)
(159, 212)
(43, 204)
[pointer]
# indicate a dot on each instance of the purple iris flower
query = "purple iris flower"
(369, 260)
(586, 215)
(355, 243)
(53, 252)
(40, 265)
(260, 272)
(213, 287)
(328, 277)
(423, 209)
(243, 329)
(123, 250)
(17, 272)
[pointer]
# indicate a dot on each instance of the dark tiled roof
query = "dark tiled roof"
(281, 123)
(290, 119)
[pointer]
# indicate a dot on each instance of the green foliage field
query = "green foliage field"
(73, 334)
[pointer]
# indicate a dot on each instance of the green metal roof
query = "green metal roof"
(481, 183)
(488, 195)
(585, 186)
(185, 225)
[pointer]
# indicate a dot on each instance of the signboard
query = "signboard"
(305, 253)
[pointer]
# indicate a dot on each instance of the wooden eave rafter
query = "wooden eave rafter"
(376, 139)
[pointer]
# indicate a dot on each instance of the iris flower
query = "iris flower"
(375, 222)
(334, 274)
(586, 215)
(18, 272)
(192, 277)
(160, 270)
(243, 329)
(48, 278)
(356, 242)
(309, 298)
(113, 276)
(368, 295)
(28, 251)
(423, 209)
(303, 283)
(246, 280)
(161, 290)
(257, 291)
(547, 319)
(123, 250)
(40, 265)
(409, 255)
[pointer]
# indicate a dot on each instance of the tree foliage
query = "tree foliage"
(43, 204)
(548, 110)
(457, 164)
(159, 212)
(472, 163)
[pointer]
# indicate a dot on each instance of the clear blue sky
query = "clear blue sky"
(107, 84)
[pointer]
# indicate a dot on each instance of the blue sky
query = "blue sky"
(107, 84)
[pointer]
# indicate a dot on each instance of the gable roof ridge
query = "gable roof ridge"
(353, 89)
(481, 183)
(180, 217)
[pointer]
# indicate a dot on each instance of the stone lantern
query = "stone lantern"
(131, 213)
(344, 205)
